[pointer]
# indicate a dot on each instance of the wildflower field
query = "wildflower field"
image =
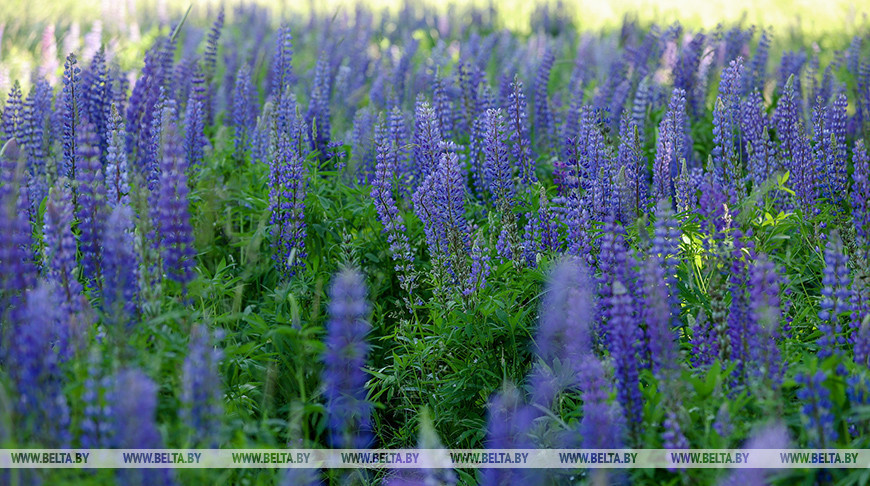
(417, 228)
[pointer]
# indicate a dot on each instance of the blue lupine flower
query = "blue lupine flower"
(120, 270)
(346, 351)
(91, 211)
(202, 395)
(835, 297)
(816, 412)
(117, 177)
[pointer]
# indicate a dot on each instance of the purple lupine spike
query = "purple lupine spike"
(861, 196)
(95, 427)
(673, 144)
(194, 133)
(517, 120)
(318, 113)
(756, 72)
(788, 121)
(17, 269)
(770, 436)
(33, 366)
(661, 340)
(479, 269)
(164, 113)
(764, 311)
(726, 128)
(666, 250)
(120, 86)
(96, 94)
(509, 420)
(287, 204)
(37, 133)
(141, 107)
(567, 314)
(363, 149)
(835, 298)
(117, 182)
(244, 114)
(344, 358)
(603, 424)
(640, 106)
(469, 103)
(443, 107)
(171, 212)
(543, 115)
(753, 125)
(13, 114)
(400, 73)
(282, 62)
(427, 140)
(388, 212)
(633, 164)
(790, 67)
(541, 231)
(705, 347)
(399, 137)
(202, 389)
(672, 436)
(624, 343)
(91, 211)
(60, 246)
(71, 106)
(816, 413)
(743, 333)
(686, 73)
(211, 45)
(209, 66)
(133, 398)
(835, 126)
(120, 269)
(440, 203)
(497, 169)
(861, 324)
(824, 158)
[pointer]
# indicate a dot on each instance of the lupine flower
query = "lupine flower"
(726, 120)
(287, 204)
(641, 105)
(772, 436)
(661, 340)
(60, 247)
(672, 145)
(388, 212)
(34, 369)
(120, 269)
(133, 398)
(541, 231)
(96, 89)
(141, 108)
(440, 203)
(91, 211)
(753, 125)
(672, 436)
(210, 65)
(633, 164)
(756, 72)
(705, 347)
(443, 107)
(624, 346)
(497, 169)
(171, 212)
(603, 424)
(117, 183)
(861, 195)
(13, 115)
(816, 412)
(318, 115)
(835, 169)
(518, 123)
(427, 140)
(567, 314)
(509, 421)
(202, 389)
(478, 270)
(194, 133)
(543, 116)
(835, 297)
(72, 106)
(399, 136)
(17, 272)
(37, 116)
(344, 358)
(765, 313)
(686, 72)
(282, 62)
(95, 429)
(244, 102)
